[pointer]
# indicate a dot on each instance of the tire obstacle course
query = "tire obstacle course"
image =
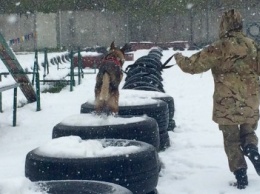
(138, 173)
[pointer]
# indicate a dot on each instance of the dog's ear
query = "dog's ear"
(112, 46)
(125, 47)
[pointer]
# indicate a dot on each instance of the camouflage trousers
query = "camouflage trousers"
(236, 138)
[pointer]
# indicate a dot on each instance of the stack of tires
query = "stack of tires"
(135, 106)
(145, 73)
(120, 172)
(142, 124)
(127, 93)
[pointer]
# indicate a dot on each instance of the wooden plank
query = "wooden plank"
(16, 70)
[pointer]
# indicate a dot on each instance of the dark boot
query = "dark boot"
(241, 177)
(251, 151)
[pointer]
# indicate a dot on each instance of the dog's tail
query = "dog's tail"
(103, 96)
(104, 93)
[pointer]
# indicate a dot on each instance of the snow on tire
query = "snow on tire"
(91, 126)
(156, 109)
(131, 164)
(81, 186)
(126, 93)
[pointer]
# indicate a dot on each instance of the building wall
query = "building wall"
(91, 28)
(46, 30)
(16, 28)
(69, 29)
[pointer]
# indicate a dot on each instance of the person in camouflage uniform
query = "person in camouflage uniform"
(234, 60)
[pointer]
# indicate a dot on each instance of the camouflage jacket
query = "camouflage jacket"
(233, 61)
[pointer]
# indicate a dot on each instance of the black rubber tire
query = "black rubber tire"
(147, 79)
(152, 76)
(159, 96)
(154, 56)
(147, 88)
(137, 171)
(143, 74)
(139, 69)
(156, 51)
(67, 57)
(145, 130)
(138, 83)
(56, 62)
(146, 73)
(52, 61)
(157, 110)
(147, 64)
(148, 60)
(142, 83)
(164, 141)
(170, 101)
(63, 59)
(81, 187)
(59, 59)
(153, 192)
(171, 125)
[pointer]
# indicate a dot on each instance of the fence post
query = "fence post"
(79, 66)
(14, 106)
(71, 71)
(1, 108)
(38, 92)
(34, 67)
(46, 63)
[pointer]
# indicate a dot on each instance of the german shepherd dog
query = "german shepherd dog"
(108, 79)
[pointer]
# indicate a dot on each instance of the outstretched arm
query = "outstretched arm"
(199, 62)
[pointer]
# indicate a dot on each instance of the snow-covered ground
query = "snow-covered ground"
(194, 164)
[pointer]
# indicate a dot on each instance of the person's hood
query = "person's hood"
(231, 21)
